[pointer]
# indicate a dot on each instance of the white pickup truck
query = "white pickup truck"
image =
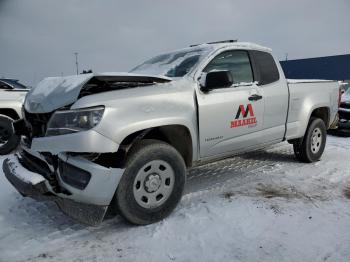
(12, 95)
(125, 140)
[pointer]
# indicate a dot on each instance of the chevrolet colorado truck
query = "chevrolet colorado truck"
(12, 95)
(125, 140)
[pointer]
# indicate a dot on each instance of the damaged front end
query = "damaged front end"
(62, 157)
(36, 186)
(81, 188)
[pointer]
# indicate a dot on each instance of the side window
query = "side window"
(237, 62)
(267, 71)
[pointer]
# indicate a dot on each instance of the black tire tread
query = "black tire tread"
(13, 141)
(140, 149)
(301, 146)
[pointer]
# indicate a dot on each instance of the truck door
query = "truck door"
(230, 118)
(274, 89)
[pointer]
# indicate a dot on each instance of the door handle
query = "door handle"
(255, 97)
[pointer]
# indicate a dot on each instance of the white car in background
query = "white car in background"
(12, 94)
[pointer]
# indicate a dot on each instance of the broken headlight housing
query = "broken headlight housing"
(72, 121)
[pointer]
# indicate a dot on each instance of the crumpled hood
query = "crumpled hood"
(56, 92)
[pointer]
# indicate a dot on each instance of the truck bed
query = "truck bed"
(304, 97)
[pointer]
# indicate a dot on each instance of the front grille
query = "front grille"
(37, 123)
(345, 105)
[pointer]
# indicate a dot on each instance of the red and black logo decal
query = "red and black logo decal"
(242, 118)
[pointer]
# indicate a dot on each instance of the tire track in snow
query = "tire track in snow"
(240, 169)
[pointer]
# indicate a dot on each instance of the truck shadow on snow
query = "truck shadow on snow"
(46, 215)
(45, 219)
(246, 168)
(285, 155)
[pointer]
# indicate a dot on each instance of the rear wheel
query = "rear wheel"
(152, 183)
(310, 148)
(8, 140)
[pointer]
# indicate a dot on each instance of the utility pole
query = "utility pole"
(286, 56)
(76, 62)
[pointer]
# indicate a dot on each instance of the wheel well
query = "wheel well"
(177, 136)
(323, 113)
(9, 112)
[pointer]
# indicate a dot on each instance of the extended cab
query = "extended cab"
(125, 140)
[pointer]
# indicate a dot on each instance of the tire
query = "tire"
(8, 140)
(152, 167)
(310, 148)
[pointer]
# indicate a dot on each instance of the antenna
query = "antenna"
(224, 41)
(218, 42)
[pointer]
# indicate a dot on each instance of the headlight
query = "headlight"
(71, 121)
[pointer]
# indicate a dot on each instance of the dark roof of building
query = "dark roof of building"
(329, 67)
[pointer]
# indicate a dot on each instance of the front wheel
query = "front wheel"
(152, 183)
(8, 140)
(311, 147)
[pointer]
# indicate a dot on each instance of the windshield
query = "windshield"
(174, 64)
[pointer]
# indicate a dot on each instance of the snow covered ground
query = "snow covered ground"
(262, 206)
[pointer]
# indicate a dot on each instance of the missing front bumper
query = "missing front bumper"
(33, 185)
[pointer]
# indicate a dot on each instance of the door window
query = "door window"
(237, 62)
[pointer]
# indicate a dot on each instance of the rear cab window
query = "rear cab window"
(265, 68)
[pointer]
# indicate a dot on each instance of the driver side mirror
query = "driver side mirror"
(215, 79)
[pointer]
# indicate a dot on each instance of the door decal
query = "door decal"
(242, 118)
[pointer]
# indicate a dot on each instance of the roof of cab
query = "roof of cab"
(235, 44)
